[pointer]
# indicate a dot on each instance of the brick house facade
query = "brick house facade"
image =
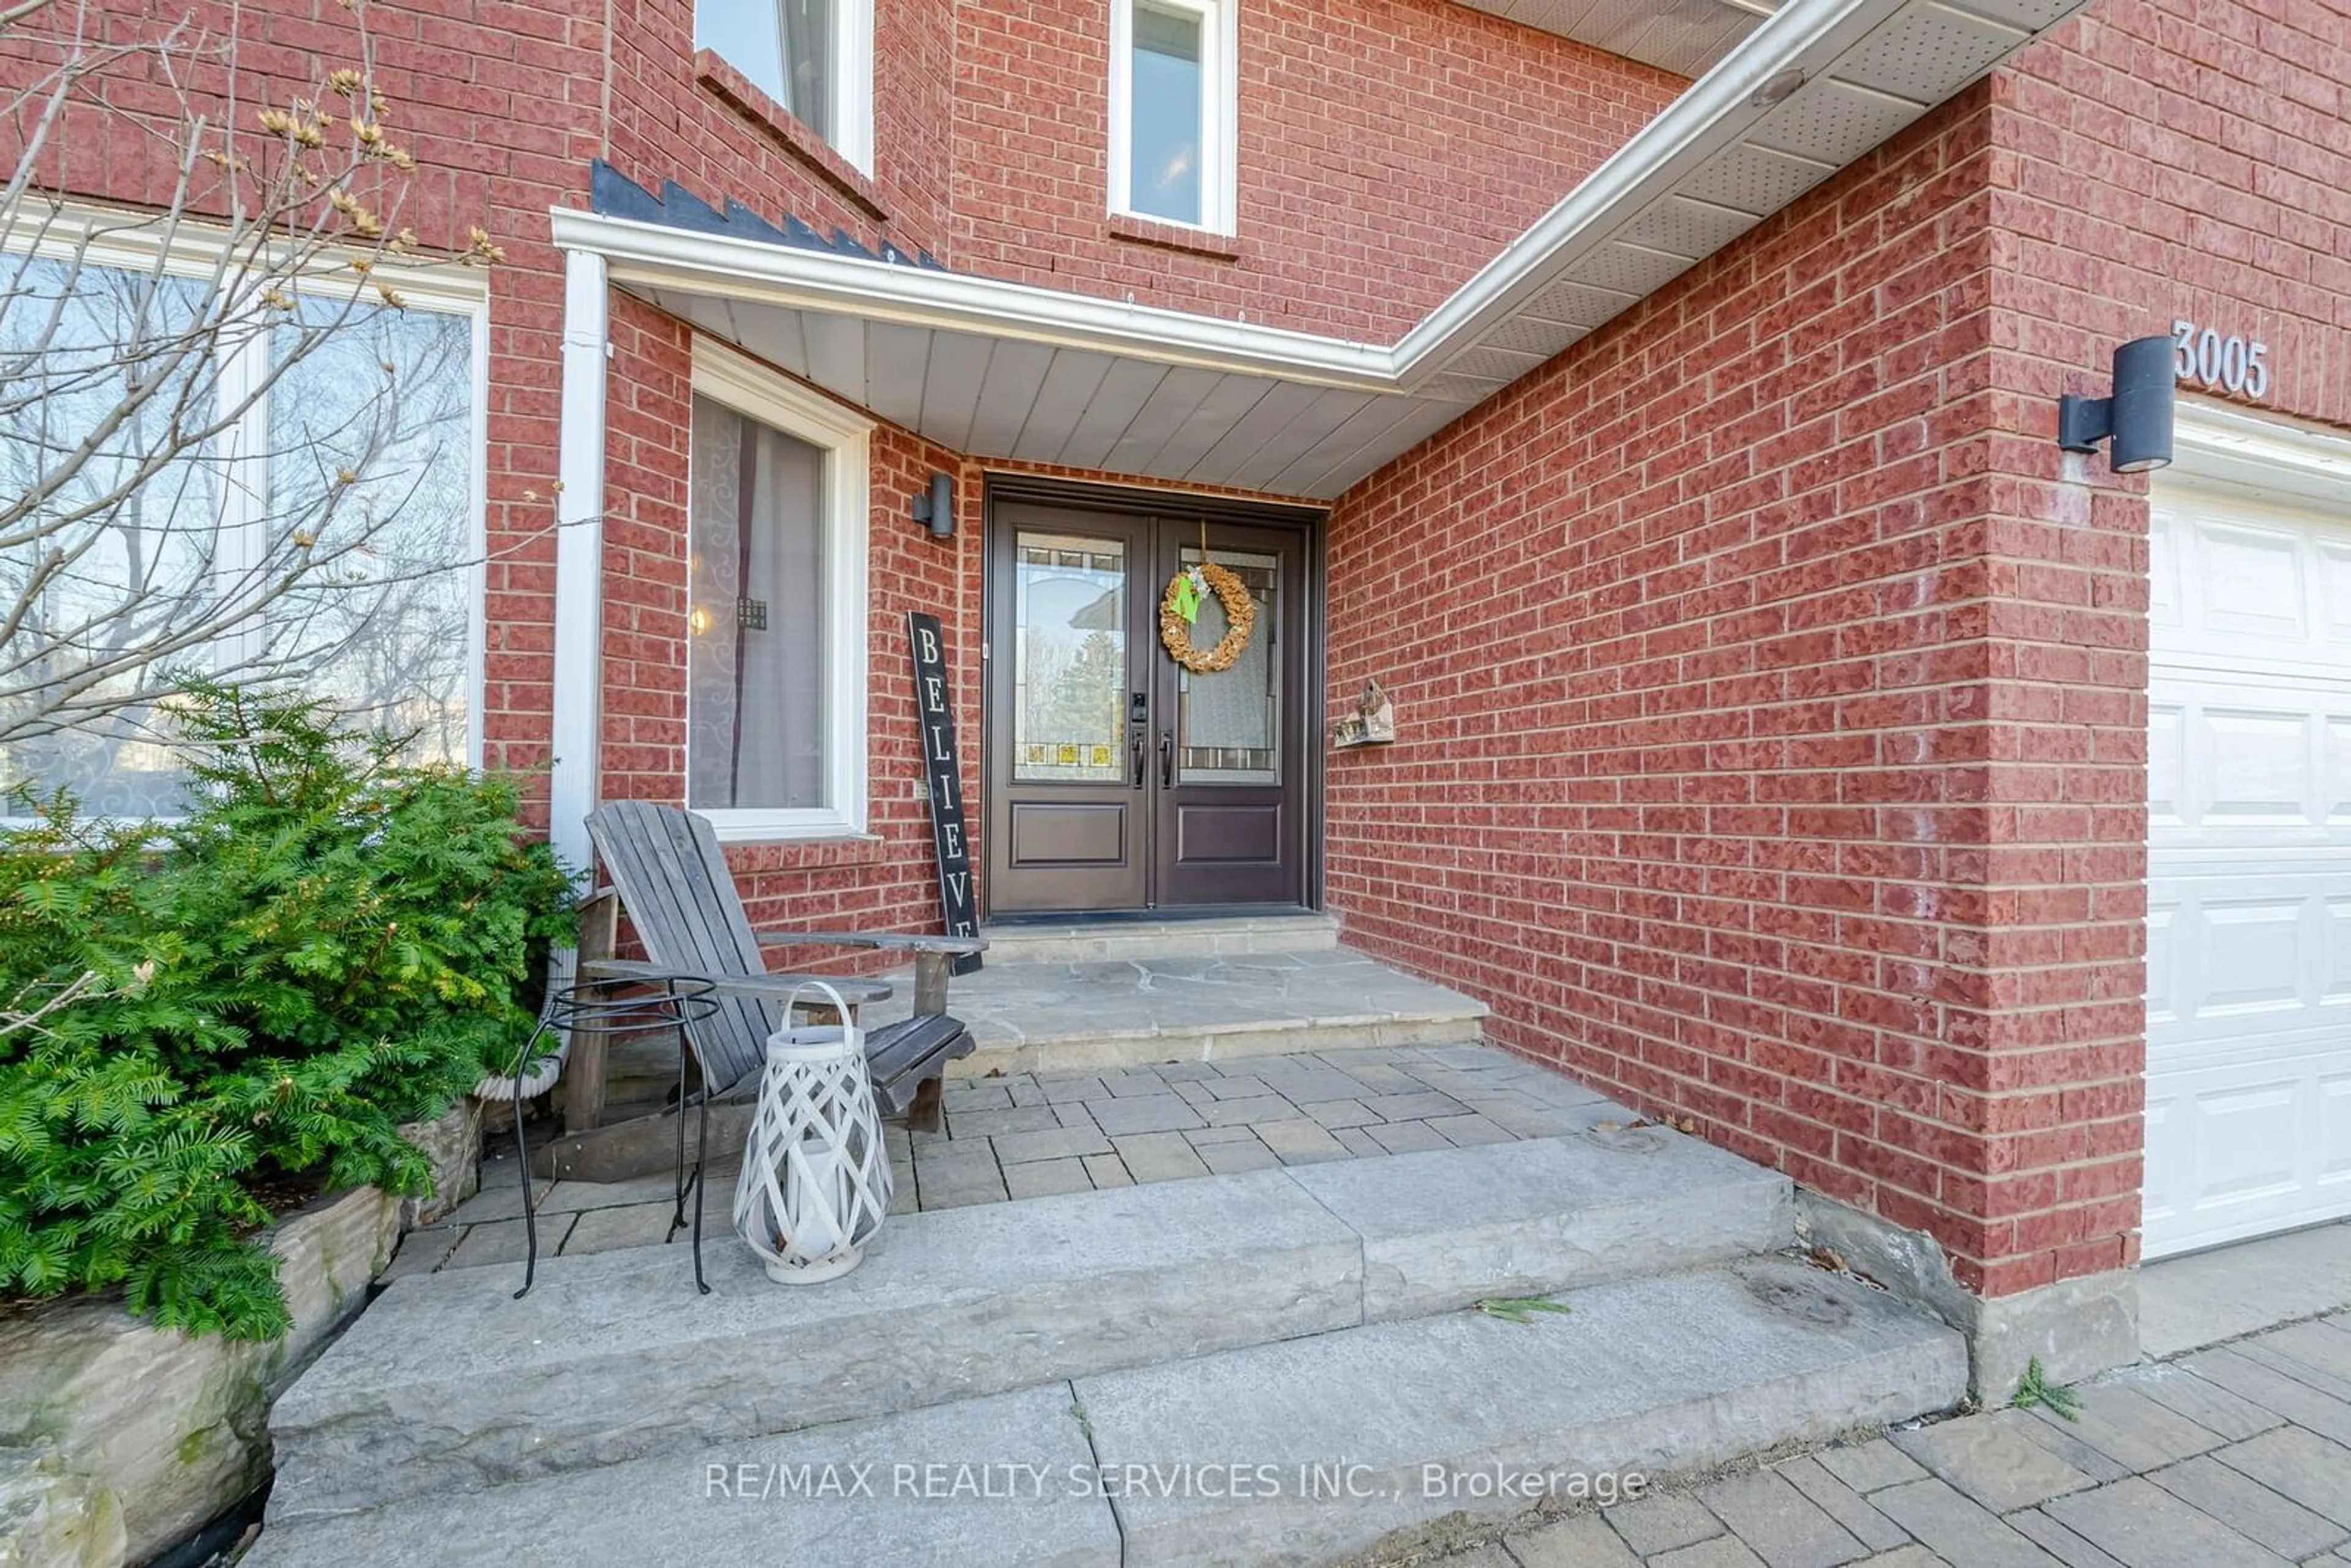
(1833, 835)
(1772, 691)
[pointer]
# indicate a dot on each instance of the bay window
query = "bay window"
(320, 528)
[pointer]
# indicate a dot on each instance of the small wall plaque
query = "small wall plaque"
(1372, 724)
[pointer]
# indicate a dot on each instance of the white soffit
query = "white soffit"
(1683, 36)
(1007, 370)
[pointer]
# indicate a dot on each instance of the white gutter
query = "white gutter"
(763, 273)
(1804, 37)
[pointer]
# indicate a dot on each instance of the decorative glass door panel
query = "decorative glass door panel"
(1066, 825)
(1228, 721)
(1227, 819)
(1070, 658)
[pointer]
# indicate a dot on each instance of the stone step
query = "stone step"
(1111, 941)
(1091, 1015)
(445, 1383)
(1308, 1451)
(1647, 1376)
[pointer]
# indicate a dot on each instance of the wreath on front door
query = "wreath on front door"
(1179, 611)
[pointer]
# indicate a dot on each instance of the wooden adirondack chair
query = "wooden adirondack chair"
(668, 870)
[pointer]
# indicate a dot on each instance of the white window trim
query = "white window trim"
(751, 389)
(138, 242)
(852, 69)
(1220, 115)
(853, 79)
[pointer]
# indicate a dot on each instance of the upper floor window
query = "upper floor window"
(815, 57)
(1172, 111)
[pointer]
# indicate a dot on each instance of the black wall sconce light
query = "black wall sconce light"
(2136, 419)
(936, 511)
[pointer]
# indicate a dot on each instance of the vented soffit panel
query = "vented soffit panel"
(1686, 37)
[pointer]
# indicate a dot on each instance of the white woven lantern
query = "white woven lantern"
(816, 1176)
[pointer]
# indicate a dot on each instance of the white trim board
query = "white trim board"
(2221, 446)
(576, 724)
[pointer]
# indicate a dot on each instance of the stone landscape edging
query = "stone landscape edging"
(118, 1439)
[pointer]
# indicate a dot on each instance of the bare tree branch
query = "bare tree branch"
(19, 13)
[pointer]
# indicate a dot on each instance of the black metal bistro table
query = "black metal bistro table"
(621, 1005)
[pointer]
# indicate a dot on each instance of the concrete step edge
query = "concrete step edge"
(1352, 1439)
(1087, 941)
(447, 1383)
(1096, 1050)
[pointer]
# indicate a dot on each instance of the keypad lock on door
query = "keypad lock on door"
(1138, 720)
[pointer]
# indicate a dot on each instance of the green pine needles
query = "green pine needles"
(2034, 1391)
(330, 944)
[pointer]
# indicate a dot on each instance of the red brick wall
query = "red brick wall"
(1387, 149)
(1773, 691)
(2157, 159)
(2171, 158)
(1683, 647)
(720, 137)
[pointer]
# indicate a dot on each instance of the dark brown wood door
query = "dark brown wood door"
(1117, 780)
(1226, 820)
(1068, 774)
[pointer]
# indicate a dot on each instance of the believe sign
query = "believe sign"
(936, 712)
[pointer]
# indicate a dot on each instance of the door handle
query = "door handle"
(1167, 759)
(1134, 758)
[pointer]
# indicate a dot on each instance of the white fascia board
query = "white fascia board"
(762, 272)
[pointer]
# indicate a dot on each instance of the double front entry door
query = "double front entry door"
(1117, 778)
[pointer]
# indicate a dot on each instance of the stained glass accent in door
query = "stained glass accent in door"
(1069, 643)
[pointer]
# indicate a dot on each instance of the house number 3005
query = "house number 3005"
(2230, 363)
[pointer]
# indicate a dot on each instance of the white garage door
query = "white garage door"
(2248, 950)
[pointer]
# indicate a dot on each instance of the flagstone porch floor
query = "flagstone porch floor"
(1137, 1007)
(1032, 1135)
